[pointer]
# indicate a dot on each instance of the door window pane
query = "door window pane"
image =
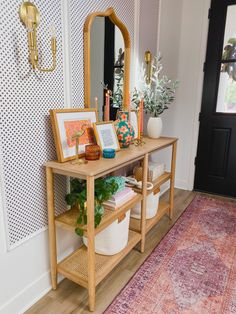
(226, 101)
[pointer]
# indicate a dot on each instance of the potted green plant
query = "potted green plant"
(78, 196)
(157, 95)
(113, 238)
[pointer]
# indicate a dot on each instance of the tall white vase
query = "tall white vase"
(154, 127)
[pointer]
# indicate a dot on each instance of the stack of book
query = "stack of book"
(120, 198)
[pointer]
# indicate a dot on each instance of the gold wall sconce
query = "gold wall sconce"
(29, 16)
(148, 61)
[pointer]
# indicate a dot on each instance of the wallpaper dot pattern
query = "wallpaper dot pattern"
(26, 135)
(26, 96)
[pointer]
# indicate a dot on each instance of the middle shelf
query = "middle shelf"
(68, 219)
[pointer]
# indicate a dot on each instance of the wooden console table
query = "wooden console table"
(84, 266)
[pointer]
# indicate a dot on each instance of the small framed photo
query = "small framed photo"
(105, 134)
(134, 122)
(68, 122)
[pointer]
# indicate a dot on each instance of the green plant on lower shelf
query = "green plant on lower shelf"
(77, 198)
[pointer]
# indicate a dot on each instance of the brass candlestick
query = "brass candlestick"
(139, 141)
(76, 137)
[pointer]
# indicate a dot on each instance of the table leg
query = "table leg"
(91, 247)
(172, 179)
(51, 227)
(143, 204)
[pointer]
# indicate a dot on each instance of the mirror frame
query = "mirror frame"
(87, 63)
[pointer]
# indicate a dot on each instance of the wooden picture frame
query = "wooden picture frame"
(112, 141)
(68, 121)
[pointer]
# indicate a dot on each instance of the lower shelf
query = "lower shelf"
(162, 210)
(75, 266)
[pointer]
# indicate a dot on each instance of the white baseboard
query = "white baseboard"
(182, 184)
(31, 292)
(17, 305)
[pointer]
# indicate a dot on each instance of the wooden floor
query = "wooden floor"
(71, 298)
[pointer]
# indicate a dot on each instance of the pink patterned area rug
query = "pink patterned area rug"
(192, 270)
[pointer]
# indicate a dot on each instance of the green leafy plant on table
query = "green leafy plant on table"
(157, 94)
(77, 198)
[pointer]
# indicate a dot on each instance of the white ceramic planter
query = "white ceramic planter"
(151, 207)
(154, 127)
(113, 239)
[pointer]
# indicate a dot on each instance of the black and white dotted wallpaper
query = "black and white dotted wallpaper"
(25, 100)
(26, 135)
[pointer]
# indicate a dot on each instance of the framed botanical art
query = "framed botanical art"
(105, 134)
(68, 123)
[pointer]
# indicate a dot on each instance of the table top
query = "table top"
(104, 166)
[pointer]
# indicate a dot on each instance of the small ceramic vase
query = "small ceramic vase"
(124, 129)
(154, 127)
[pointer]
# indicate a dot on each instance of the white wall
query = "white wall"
(148, 25)
(183, 37)
(168, 44)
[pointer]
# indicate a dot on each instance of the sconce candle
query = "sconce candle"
(141, 114)
(107, 107)
(129, 106)
(139, 136)
(96, 104)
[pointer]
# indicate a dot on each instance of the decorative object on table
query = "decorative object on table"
(158, 94)
(155, 170)
(109, 153)
(124, 129)
(105, 134)
(29, 16)
(92, 152)
(67, 122)
(77, 135)
(151, 206)
(182, 265)
(77, 198)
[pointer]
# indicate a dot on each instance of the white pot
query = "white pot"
(112, 239)
(151, 207)
(154, 127)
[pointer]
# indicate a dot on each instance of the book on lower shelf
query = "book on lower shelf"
(120, 198)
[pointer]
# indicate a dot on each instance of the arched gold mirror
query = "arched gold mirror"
(107, 48)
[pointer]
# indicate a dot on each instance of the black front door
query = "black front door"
(216, 154)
